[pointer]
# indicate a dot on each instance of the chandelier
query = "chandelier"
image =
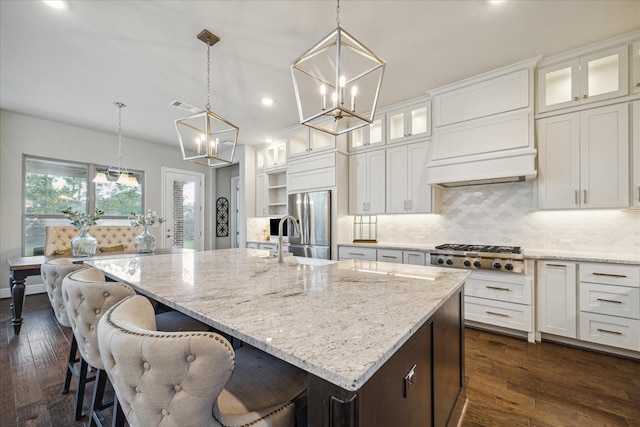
(118, 173)
(206, 138)
(338, 78)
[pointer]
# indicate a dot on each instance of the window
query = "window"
(50, 186)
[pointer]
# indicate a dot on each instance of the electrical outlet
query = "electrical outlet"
(410, 380)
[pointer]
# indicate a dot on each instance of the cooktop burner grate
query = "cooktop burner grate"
(480, 248)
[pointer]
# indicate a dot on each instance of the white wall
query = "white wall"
(20, 134)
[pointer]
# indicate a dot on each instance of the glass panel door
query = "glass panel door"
(183, 210)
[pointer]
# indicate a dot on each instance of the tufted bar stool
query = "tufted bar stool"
(87, 296)
(192, 378)
(53, 272)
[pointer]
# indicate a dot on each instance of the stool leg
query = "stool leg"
(82, 382)
(118, 416)
(71, 364)
(97, 404)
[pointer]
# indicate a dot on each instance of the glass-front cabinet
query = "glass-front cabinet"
(368, 136)
(409, 122)
(635, 67)
(272, 156)
(304, 140)
(589, 78)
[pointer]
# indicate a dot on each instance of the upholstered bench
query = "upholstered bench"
(111, 238)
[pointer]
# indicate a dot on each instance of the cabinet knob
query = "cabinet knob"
(576, 98)
(638, 84)
(585, 96)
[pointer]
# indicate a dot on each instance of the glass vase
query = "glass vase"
(145, 242)
(84, 245)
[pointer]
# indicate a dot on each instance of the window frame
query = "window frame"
(91, 193)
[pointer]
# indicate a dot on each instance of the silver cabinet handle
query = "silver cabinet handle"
(405, 205)
(610, 332)
(610, 275)
(577, 201)
(388, 256)
(610, 300)
(639, 193)
(497, 314)
(355, 254)
(557, 265)
(585, 197)
(497, 288)
(576, 98)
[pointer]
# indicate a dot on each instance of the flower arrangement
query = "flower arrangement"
(79, 220)
(147, 220)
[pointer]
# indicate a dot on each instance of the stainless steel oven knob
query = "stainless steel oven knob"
(440, 261)
(497, 265)
(449, 261)
(508, 266)
(477, 264)
(467, 263)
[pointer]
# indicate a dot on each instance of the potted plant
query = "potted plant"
(145, 241)
(83, 245)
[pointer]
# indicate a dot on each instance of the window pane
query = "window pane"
(51, 187)
(119, 200)
(34, 233)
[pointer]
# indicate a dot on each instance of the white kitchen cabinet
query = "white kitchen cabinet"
(273, 156)
(369, 136)
(261, 194)
(610, 304)
(635, 153)
(414, 257)
(635, 67)
(592, 77)
(356, 252)
(271, 247)
(389, 255)
(367, 183)
(252, 245)
(583, 159)
(304, 141)
(409, 121)
(406, 182)
(556, 301)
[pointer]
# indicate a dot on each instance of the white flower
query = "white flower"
(150, 219)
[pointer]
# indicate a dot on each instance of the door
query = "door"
(183, 194)
(557, 311)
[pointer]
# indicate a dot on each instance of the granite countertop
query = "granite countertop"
(567, 255)
(339, 321)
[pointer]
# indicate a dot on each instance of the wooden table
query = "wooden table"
(382, 343)
(22, 267)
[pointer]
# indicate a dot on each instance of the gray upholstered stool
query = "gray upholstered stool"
(192, 378)
(53, 272)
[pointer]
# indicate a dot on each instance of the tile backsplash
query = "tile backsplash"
(505, 214)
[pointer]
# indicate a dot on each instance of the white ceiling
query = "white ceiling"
(70, 66)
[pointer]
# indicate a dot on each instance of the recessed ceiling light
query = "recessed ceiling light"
(268, 139)
(267, 101)
(57, 4)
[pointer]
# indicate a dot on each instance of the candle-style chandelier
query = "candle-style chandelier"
(338, 78)
(206, 138)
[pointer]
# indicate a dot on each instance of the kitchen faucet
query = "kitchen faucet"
(282, 221)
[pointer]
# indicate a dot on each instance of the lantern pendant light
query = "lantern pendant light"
(206, 138)
(337, 83)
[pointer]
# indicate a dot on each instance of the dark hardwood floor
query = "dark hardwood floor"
(509, 382)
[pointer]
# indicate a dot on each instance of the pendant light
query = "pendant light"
(123, 176)
(206, 138)
(337, 83)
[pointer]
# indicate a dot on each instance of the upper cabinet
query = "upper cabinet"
(367, 183)
(588, 78)
(368, 136)
(635, 67)
(304, 141)
(583, 159)
(407, 189)
(272, 156)
(409, 121)
(635, 153)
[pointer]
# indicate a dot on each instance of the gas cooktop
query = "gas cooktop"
(479, 257)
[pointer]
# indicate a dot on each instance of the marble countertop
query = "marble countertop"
(339, 321)
(567, 255)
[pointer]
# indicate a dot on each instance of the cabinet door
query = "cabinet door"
(396, 126)
(635, 149)
(604, 157)
(376, 166)
(557, 310)
(604, 75)
(299, 142)
(261, 194)
(558, 86)
(559, 161)
(409, 122)
(419, 193)
(635, 67)
(320, 141)
(276, 155)
(367, 136)
(414, 258)
(389, 255)
(397, 180)
(260, 158)
(358, 184)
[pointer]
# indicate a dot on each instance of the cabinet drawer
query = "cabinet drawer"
(390, 255)
(351, 252)
(505, 314)
(612, 274)
(414, 257)
(610, 330)
(609, 299)
(317, 178)
(312, 162)
(511, 288)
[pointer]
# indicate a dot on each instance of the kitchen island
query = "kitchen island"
(382, 343)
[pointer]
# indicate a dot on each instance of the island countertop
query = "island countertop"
(339, 321)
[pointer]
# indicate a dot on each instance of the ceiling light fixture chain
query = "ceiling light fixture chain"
(208, 106)
(120, 105)
(338, 13)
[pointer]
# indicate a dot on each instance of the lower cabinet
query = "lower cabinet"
(355, 252)
(557, 313)
(389, 255)
(399, 256)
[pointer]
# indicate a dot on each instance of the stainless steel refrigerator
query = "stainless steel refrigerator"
(313, 213)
